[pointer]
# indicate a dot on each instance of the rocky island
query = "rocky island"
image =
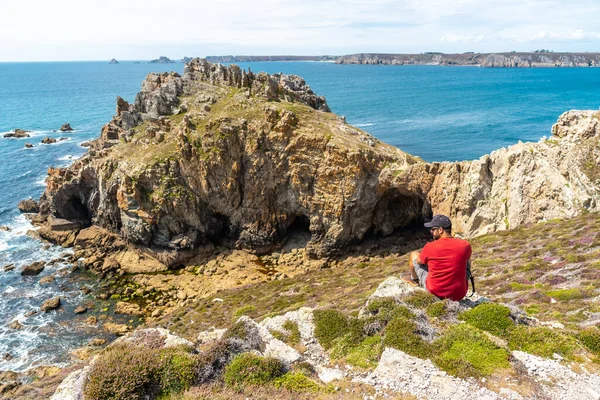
(162, 60)
(237, 211)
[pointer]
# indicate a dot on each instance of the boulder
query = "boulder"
(28, 145)
(48, 140)
(80, 310)
(4, 228)
(33, 269)
(51, 304)
(8, 267)
(28, 206)
(117, 329)
(66, 128)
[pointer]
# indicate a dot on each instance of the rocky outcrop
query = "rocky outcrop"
(48, 140)
(524, 183)
(66, 128)
(221, 156)
(18, 133)
(242, 181)
(487, 60)
(28, 206)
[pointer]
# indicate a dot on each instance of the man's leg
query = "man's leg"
(414, 256)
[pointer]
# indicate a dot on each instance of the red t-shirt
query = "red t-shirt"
(446, 259)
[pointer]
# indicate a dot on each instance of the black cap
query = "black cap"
(439, 221)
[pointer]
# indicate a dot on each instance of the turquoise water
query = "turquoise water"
(438, 113)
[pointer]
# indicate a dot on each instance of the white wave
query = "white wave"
(69, 157)
(3, 245)
(363, 125)
(19, 226)
(41, 182)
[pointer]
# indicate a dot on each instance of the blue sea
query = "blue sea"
(437, 113)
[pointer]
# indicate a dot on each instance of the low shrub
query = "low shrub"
(366, 354)
(491, 317)
(567, 294)
(437, 309)
(249, 368)
(541, 341)
(465, 351)
(590, 338)
(329, 325)
(354, 335)
(402, 334)
(385, 309)
(291, 335)
(245, 310)
(421, 299)
(125, 372)
(296, 382)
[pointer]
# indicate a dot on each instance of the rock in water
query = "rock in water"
(80, 310)
(28, 206)
(18, 133)
(113, 61)
(66, 128)
(50, 304)
(16, 325)
(47, 279)
(28, 145)
(33, 269)
(48, 140)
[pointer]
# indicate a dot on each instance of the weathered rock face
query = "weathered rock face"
(28, 206)
(224, 156)
(234, 169)
(524, 183)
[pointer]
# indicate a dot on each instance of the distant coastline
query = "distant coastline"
(543, 59)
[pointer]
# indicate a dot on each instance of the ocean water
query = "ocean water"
(437, 113)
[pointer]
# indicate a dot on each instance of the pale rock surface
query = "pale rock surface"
(273, 346)
(560, 382)
(71, 388)
(401, 372)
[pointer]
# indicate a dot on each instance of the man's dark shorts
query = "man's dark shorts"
(422, 271)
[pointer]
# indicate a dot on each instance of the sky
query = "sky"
(65, 30)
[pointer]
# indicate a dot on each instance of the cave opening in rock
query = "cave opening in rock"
(75, 210)
(298, 233)
(398, 212)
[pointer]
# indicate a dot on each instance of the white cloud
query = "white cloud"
(93, 29)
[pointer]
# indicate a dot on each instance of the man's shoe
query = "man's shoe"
(410, 280)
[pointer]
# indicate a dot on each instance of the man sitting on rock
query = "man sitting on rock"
(441, 267)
